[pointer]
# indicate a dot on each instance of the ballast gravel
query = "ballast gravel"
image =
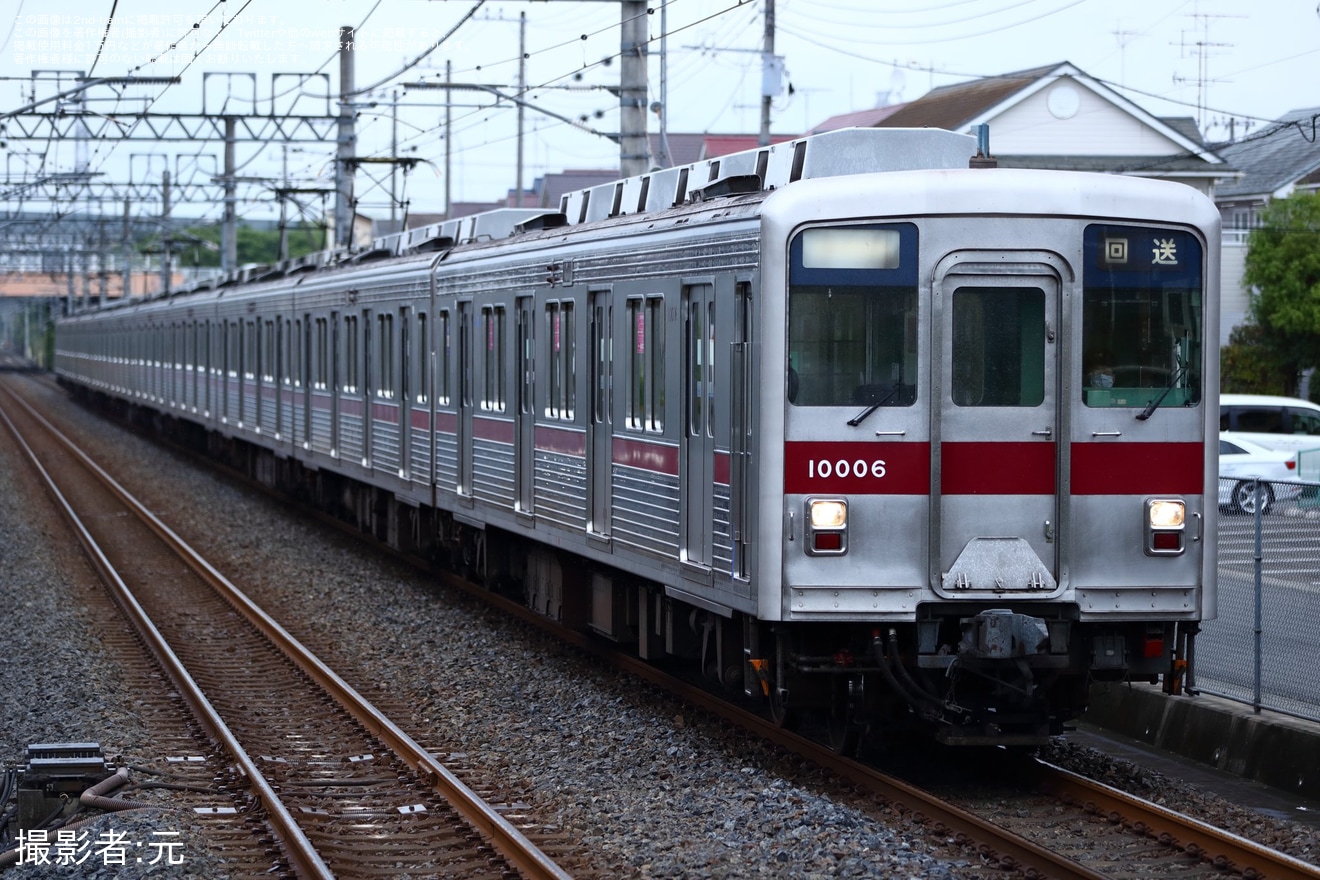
(649, 787)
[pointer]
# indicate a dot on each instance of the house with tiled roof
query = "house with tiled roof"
(1058, 117)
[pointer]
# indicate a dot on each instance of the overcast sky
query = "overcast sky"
(1213, 60)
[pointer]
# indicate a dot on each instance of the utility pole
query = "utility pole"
(127, 245)
(666, 160)
(102, 260)
(394, 151)
(769, 72)
(166, 241)
(344, 166)
(449, 134)
(229, 229)
(634, 150)
(516, 201)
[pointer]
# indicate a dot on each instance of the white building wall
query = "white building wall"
(1040, 125)
(1233, 295)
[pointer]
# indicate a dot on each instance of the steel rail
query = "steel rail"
(1224, 850)
(511, 843)
(1012, 851)
(302, 855)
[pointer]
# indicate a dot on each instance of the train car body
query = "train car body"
(879, 438)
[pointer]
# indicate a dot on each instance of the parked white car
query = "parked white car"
(1287, 423)
(1242, 462)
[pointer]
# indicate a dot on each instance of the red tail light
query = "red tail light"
(1167, 540)
(828, 541)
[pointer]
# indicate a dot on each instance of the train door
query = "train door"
(741, 397)
(405, 392)
(599, 419)
(465, 398)
(524, 412)
(367, 391)
(336, 377)
(996, 437)
(697, 450)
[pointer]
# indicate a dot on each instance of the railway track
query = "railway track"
(1090, 832)
(344, 791)
(1122, 835)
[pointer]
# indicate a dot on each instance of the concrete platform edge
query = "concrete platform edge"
(1276, 750)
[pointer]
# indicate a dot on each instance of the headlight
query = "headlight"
(1165, 514)
(829, 514)
(1164, 526)
(827, 527)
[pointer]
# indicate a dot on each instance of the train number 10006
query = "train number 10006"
(824, 468)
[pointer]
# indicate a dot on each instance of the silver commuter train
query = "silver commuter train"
(879, 439)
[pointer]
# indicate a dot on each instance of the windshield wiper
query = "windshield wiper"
(1154, 404)
(862, 416)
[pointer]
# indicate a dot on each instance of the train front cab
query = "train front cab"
(994, 463)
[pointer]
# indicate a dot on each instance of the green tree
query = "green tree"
(1283, 270)
(1247, 365)
(200, 245)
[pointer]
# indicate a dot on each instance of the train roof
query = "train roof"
(762, 170)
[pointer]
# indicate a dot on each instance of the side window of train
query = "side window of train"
(268, 354)
(384, 358)
(421, 347)
(352, 366)
(321, 355)
(561, 384)
(250, 351)
(492, 362)
(293, 362)
(443, 350)
(646, 366)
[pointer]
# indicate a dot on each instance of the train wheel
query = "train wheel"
(845, 736)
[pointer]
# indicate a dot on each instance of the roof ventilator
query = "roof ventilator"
(734, 185)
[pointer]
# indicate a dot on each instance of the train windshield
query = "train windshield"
(852, 316)
(1142, 317)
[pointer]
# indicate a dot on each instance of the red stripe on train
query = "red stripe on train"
(1138, 469)
(561, 440)
(646, 455)
(997, 468)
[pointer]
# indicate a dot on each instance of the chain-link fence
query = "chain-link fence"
(1261, 648)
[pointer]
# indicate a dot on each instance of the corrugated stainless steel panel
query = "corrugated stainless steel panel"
(492, 471)
(561, 489)
(722, 535)
(645, 510)
(385, 447)
(420, 455)
(321, 431)
(350, 437)
(290, 418)
(446, 460)
(268, 415)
